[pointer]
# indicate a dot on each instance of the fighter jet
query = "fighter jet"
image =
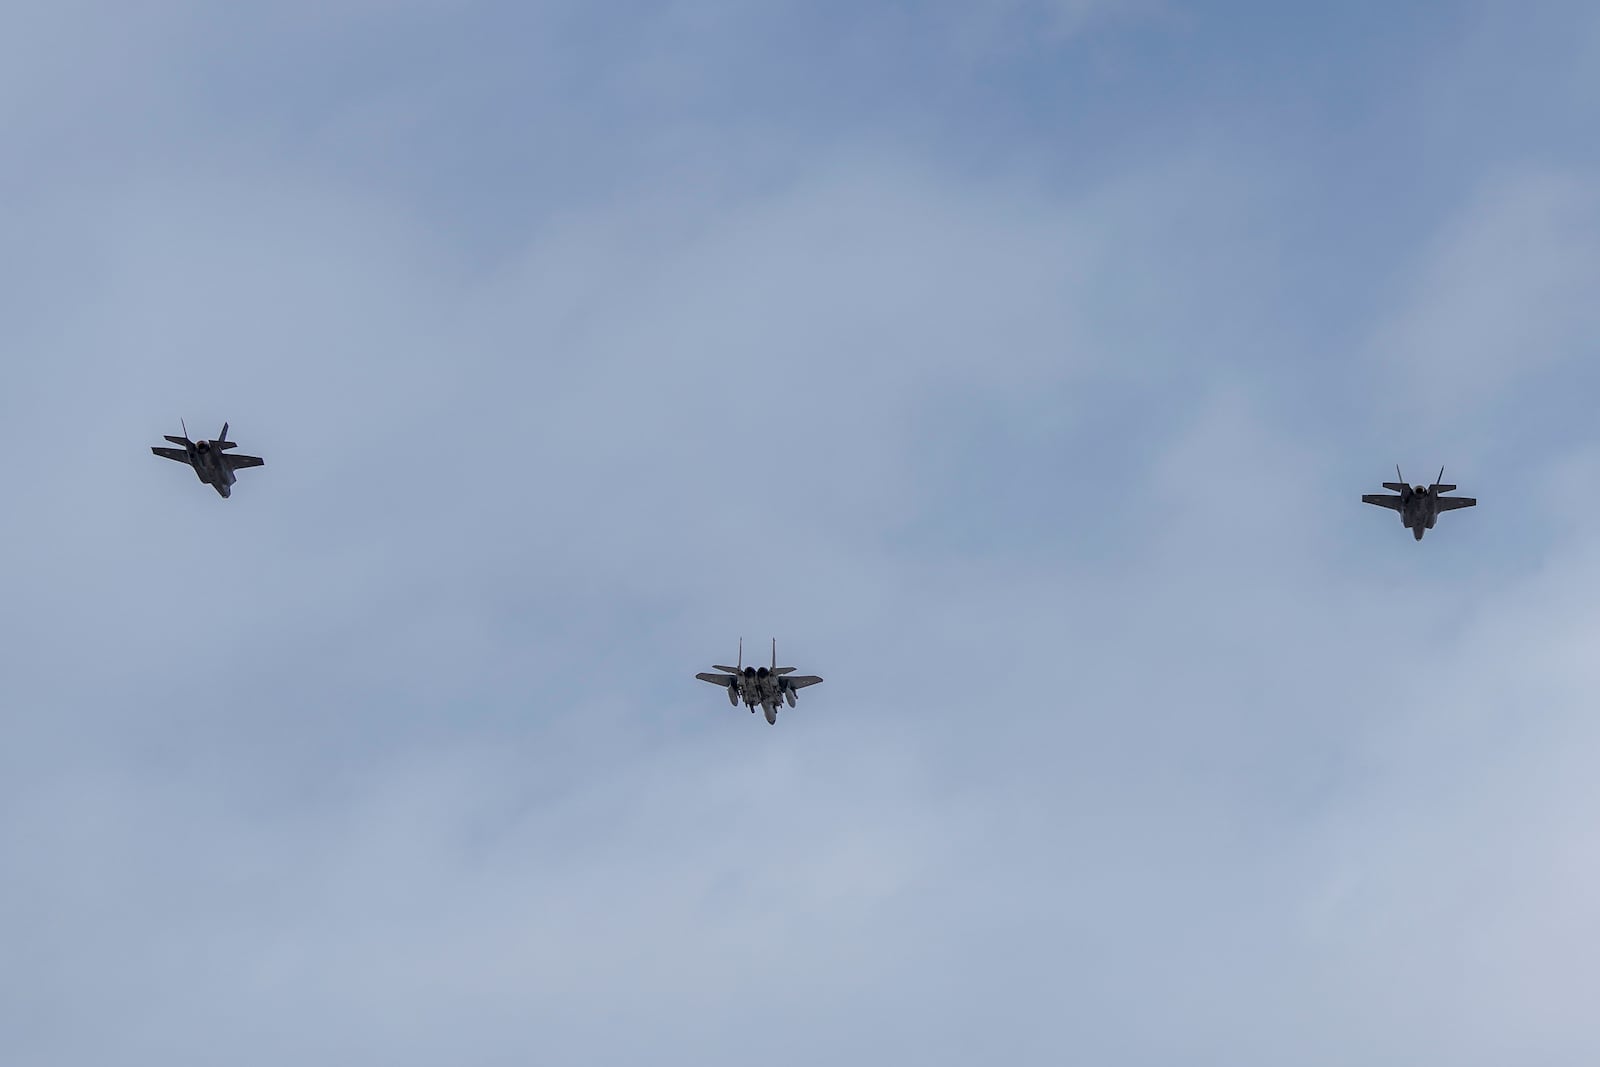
(209, 459)
(765, 686)
(1419, 505)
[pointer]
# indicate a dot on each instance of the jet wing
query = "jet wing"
(1450, 503)
(178, 454)
(240, 462)
(800, 681)
(716, 679)
(1381, 500)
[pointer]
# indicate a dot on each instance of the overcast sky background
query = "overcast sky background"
(1017, 364)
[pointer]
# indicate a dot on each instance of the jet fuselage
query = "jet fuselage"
(761, 688)
(210, 459)
(1419, 510)
(209, 467)
(1419, 506)
(768, 688)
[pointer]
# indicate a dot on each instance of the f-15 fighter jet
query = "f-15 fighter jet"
(764, 686)
(209, 459)
(1419, 505)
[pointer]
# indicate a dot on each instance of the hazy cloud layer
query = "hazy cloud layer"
(1020, 381)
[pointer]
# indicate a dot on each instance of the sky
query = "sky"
(1017, 365)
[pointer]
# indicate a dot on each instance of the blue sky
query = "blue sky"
(1017, 365)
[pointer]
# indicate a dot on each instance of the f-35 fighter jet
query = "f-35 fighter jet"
(766, 686)
(209, 459)
(1419, 505)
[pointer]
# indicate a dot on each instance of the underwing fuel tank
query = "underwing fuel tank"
(733, 695)
(788, 694)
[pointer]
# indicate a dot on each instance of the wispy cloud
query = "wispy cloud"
(1500, 295)
(1141, 742)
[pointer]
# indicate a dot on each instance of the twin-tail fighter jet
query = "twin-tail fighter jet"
(209, 459)
(766, 686)
(1419, 505)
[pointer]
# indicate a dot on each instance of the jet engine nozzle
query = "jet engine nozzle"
(761, 672)
(1422, 489)
(749, 672)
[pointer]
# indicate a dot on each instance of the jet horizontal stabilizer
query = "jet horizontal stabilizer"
(1397, 487)
(177, 440)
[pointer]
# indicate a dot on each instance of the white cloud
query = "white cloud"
(397, 756)
(1501, 296)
